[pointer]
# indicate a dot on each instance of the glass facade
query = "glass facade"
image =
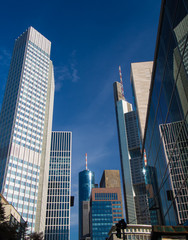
(59, 187)
(26, 115)
(86, 183)
(166, 134)
(153, 200)
(102, 220)
(105, 212)
(136, 204)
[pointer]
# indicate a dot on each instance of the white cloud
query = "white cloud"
(66, 72)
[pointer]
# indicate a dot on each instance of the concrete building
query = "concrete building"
(140, 80)
(59, 187)
(166, 131)
(86, 183)
(25, 128)
(106, 205)
(135, 196)
(132, 232)
(11, 214)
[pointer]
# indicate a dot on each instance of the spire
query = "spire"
(86, 160)
(120, 75)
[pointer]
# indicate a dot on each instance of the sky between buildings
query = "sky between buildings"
(90, 39)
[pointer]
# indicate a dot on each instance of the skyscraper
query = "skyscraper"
(106, 205)
(166, 131)
(135, 196)
(59, 187)
(86, 183)
(140, 80)
(122, 107)
(25, 128)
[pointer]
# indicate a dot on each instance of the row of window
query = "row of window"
(12, 172)
(27, 146)
(28, 134)
(39, 49)
(31, 83)
(28, 128)
(106, 196)
(24, 162)
(25, 199)
(21, 182)
(36, 173)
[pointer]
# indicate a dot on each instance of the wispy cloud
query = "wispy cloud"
(66, 72)
(5, 56)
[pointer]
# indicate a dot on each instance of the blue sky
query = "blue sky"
(90, 39)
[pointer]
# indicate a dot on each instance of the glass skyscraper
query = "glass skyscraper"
(86, 183)
(166, 132)
(25, 124)
(136, 204)
(59, 187)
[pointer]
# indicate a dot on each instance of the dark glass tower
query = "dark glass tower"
(166, 131)
(86, 183)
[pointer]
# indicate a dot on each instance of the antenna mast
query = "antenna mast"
(120, 75)
(86, 160)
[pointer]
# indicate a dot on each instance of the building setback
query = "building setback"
(59, 187)
(166, 131)
(25, 128)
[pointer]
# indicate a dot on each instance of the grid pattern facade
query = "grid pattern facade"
(105, 212)
(175, 141)
(168, 111)
(59, 188)
(22, 123)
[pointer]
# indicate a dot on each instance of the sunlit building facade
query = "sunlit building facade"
(25, 128)
(166, 132)
(59, 187)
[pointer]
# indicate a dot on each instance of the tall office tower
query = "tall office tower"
(140, 80)
(25, 128)
(59, 187)
(135, 196)
(86, 183)
(106, 205)
(122, 107)
(166, 131)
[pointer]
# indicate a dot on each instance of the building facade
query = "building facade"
(135, 196)
(141, 73)
(132, 232)
(166, 131)
(25, 128)
(106, 205)
(122, 107)
(86, 183)
(59, 187)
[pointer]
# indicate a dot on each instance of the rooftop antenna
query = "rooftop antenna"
(120, 75)
(145, 158)
(86, 160)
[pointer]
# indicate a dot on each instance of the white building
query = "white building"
(25, 128)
